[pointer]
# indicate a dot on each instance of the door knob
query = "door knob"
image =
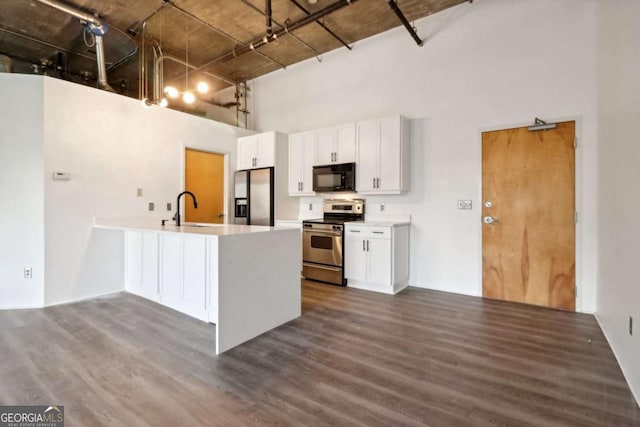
(220, 215)
(489, 220)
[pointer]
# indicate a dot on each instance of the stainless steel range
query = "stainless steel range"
(323, 240)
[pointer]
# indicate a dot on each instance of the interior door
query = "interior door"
(528, 208)
(204, 177)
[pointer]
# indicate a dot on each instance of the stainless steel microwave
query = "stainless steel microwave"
(331, 178)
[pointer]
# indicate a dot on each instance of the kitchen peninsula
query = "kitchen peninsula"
(244, 279)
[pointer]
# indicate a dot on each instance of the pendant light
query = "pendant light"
(188, 97)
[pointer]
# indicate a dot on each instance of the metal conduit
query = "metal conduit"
(291, 27)
(307, 45)
(97, 27)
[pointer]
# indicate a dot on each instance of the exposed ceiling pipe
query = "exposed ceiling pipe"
(96, 27)
(288, 28)
(307, 45)
(335, 36)
(219, 31)
(405, 22)
(45, 43)
(268, 18)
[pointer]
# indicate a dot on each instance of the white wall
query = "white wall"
(487, 65)
(111, 145)
(21, 191)
(619, 175)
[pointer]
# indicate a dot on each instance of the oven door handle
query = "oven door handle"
(331, 233)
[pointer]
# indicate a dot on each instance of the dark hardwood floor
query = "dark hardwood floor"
(353, 358)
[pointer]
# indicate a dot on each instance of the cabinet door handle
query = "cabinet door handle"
(367, 246)
(301, 186)
(363, 247)
(378, 232)
(377, 182)
(354, 231)
(374, 183)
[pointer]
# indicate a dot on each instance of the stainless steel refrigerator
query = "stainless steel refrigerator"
(254, 197)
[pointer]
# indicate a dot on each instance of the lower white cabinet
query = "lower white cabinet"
(141, 265)
(170, 269)
(183, 274)
(377, 257)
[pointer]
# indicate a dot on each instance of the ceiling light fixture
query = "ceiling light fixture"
(202, 87)
(188, 97)
(171, 92)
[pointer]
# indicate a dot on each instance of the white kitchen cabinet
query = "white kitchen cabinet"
(336, 145)
(382, 156)
(141, 264)
(170, 269)
(302, 149)
(377, 257)
(257, 151)
(183, 279)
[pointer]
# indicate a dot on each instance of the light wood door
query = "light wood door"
(528, 252)
(204, 177)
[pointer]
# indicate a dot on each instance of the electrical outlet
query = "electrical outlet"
(139, 192)
(168, 207)
(28, 273)
(630, 325)
(464, 204)
(152, 206)
(381, 207)
(310, 206)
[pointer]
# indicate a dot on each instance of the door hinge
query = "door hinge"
(575, 142)
(576, 291)
(575, 217)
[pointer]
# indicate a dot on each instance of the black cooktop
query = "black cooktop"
(331, 220)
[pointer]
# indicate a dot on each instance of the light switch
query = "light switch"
(152, 206)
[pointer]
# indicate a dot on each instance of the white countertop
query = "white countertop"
(379, 223)
(153, 224)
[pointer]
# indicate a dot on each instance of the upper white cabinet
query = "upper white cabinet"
(336, 145)
(302, 149)
(257, 151)
(382, 156)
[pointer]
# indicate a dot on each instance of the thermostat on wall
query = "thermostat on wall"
(61, 176)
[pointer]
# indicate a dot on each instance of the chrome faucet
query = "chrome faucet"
(177, 215)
